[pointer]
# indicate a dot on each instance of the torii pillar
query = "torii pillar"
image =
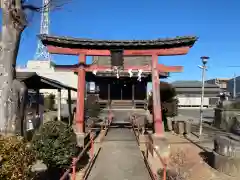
(157, 111)
(80, 125)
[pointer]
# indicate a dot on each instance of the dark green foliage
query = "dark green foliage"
(92, 106)
(49, 102)
(169, 103)
(16, 158)
(170, 107)
(167, 91)
(55, 144)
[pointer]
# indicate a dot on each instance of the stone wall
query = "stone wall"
(225, 118)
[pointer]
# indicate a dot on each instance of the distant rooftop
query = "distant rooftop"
(192, 84)
(220, 79)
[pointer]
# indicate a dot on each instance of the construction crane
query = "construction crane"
(42, 53)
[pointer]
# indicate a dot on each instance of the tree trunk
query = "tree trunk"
(12, 92)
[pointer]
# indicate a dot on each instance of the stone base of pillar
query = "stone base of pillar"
(157, 136)
(161, 143)
(81, 139)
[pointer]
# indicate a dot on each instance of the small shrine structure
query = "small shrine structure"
(121, 69)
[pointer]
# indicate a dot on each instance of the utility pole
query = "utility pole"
(234, 86)
(203, 67)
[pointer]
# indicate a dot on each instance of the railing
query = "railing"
(90, 145)
(76, 159)
(164, 177)
(155, 149)
(140, 105)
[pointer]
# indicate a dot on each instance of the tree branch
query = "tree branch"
(35, 8)
(50, 3)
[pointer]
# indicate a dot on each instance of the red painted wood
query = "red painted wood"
(81, 96)
(93, 52)
(163, 68)
(160, 67)
(157, 112)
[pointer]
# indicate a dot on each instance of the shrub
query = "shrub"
(169, 102)
(55, 144)
(178, 167)
(16, 158)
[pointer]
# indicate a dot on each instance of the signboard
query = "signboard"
(92, 87)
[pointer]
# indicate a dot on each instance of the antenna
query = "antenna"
(42, 52)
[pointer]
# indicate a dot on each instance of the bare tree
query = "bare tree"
(13, 93)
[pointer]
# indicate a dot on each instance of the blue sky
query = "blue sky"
(215, 22)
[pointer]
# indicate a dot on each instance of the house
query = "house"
(189, 93)
(221, 82)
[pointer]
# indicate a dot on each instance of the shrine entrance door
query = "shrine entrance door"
(121, 90)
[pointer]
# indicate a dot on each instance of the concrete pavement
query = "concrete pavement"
(194, 114)
(120, 158)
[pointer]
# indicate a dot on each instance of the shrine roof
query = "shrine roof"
(62, 41)
(34, 81)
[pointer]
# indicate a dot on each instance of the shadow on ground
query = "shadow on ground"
(207, 157)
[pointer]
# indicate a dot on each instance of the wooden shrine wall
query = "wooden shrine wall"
(128, 60)
(124, 86)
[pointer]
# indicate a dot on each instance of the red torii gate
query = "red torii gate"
(88, 47)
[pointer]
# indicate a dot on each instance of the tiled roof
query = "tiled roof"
(128, 60)
(34, 81)
(192, 84)
(125, 44)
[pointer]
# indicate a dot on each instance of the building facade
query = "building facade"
(189, 93)
(221, 82)
(230, 86)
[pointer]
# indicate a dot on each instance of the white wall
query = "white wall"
(192, 101)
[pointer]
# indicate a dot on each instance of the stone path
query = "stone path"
(120, 158)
